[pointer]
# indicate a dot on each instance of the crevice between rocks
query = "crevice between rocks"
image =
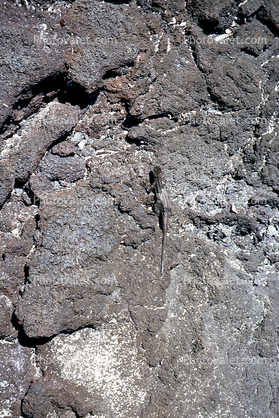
(34, 199)
(26, 274)
(118, 1)
(19, 184)
(214, 99)
(209, 27)
(119, 71)
(131, 121)
(55, 86)
(249, 52)
(23, 339)
(261, 15)
(23, 415)
(270, 25)
(32, 342)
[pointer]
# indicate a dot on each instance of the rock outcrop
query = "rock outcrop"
(94, 96)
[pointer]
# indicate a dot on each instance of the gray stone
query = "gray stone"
(26, 148)
(56, 168)
(111, 41)
(67, 262)
(6, 309)
(255, 37)
(269, 14)
(17, 370)
(6, 180)
(80, 236)
(22, 49)
(174, 91)
(213, 16)
(64, 149)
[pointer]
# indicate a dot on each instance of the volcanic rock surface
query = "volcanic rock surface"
(94, 96)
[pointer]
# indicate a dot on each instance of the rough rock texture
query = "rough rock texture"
(17, 370)
(95, 95)
(73, 248)
(24, 61)
(73, 363)
(26, 148)
(64, 149)
(57, 168)
(6, 179)
(6, 309)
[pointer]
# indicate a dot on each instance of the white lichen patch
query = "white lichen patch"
(106, 363)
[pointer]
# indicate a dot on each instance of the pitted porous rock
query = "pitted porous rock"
(95, 95)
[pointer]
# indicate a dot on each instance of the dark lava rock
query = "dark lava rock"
(179, 87)
(26, 148)
(16, 372)
(270, 172)
(167, 8)
(56, 168)
(64, 149)
(212, 16)
(254, 37)
(73, 241)
(251, 7)
(6, 180)
(269, 15)
(40, 397)
(39, 185)
(234, 82)
(97, 330)
(12, 273)
(28, 61)
(112, 36)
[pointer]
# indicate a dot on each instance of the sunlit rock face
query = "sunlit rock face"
(94, 96)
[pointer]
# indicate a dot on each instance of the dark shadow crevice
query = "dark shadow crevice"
(118, 71)
(19, 184)
(31, 342)
(23, 339)
(118, 1)
(262, 17)
(34, 199)
(26, 274)
(209, 27)
(131, 121)
(162, 115)
(249, 52)
(55, 86)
